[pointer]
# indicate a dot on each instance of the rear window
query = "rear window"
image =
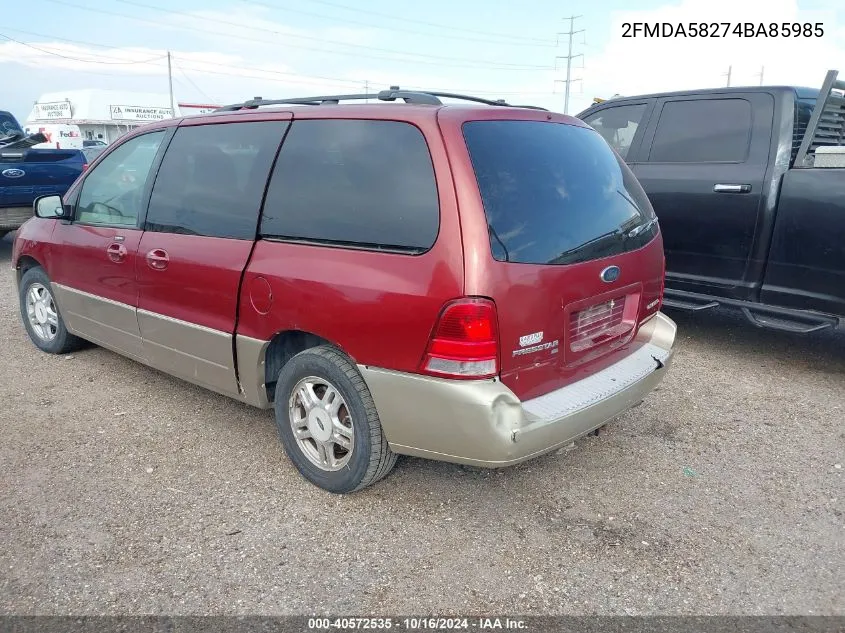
(555, 193)
(8, 125)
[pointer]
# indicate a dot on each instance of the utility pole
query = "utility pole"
(569, 57)
(762, 69)
(170, 81)
(729, 75)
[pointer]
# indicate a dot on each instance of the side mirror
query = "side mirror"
(49, 207)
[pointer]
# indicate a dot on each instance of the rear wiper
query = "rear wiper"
(641, 228)
(610, 236)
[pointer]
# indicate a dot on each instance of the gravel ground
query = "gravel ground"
(125, 491)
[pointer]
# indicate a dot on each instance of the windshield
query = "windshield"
(8, 125)
(555, 193)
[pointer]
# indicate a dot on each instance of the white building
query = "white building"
(106, 114)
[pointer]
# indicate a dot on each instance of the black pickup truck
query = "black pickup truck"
(749, 188)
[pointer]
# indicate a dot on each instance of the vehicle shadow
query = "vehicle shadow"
(727, 328)
(6, 250)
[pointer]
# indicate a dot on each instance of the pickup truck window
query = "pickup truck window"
(803, 111)
(703, 131)
(555, 193)
(212, 178)
(8, 125)
(368, 184)
(112, 192)
(618, 125)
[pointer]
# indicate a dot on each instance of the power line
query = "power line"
(395, 29)
(104, 60)
(216, 64)
(317, 80)
(440, 58)
(191, 81)
(423, 22)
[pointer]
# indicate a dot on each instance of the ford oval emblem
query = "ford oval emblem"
(610, 274)
(13, 173)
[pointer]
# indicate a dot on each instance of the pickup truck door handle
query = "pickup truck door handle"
(116, 252)
(157, 259)
(732, 188)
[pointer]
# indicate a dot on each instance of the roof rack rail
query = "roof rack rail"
(394, 93)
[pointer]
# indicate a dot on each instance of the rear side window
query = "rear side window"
(703, 131)
(555, 193)
(212, 179)
(618, 125)
(359, 183)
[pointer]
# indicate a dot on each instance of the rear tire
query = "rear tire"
(328, 423)
(41, 316)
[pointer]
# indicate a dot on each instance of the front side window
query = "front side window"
(703, 131)
(212, 179)
(618, 125)
(364, 184)
(113, 192)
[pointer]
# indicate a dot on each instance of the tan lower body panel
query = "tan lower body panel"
(251, 371)
(483, 423)
(192, 352)
(111, 324)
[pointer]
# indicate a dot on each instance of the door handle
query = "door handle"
(116, 252)
(157, 259)
(732, 188)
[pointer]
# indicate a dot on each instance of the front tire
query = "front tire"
(41, 316)
(328, 423)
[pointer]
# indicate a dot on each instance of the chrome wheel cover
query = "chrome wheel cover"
(41, 312)
(321, 423)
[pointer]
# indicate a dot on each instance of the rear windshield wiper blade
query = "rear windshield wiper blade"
(642, 228)
(606, 238)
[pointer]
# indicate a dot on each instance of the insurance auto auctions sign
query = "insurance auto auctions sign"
(139, 113)
(55, 110)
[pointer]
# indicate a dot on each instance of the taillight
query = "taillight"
(465, 341)
(84, 166)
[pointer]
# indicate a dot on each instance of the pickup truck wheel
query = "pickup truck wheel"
(41, 315)
(328, 422)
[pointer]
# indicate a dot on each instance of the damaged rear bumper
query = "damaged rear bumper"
(482, 423)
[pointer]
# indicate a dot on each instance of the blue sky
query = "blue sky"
(225, 51)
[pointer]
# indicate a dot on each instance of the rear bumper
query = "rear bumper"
(482, 423)
(12, 218)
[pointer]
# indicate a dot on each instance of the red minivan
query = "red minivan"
(476, 283)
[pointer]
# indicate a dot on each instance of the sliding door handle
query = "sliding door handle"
(732, 188)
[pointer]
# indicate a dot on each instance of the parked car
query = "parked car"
(93, 143)
(26, 172)
(751, 218)
(475, 284)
